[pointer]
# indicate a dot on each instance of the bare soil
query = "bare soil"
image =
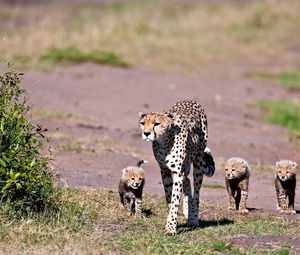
(101, 136)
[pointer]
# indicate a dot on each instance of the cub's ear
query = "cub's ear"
(125, 170)
(142, 115)
(277, 164)
(294, 165)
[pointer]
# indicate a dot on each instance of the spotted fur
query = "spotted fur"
(285, 185)
(237, 173)
(131, 188)
(179, 138)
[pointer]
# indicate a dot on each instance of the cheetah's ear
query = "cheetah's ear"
(277, 164)
(125, 170)
(142, 115)
(170, 115)
(294, 165)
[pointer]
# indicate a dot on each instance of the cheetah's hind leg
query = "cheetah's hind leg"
(187, 192)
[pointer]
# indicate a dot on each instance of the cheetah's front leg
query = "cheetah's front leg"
(167, 180)
(244, 196)
(282, 205)
(291, 197)
(171, 225)
(231, 194)
(138, 207)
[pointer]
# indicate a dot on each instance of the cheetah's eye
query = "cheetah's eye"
(232, 170)
(142, 123)
(156, 124)
(132, 178)
(140, 178)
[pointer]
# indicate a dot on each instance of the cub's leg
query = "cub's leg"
(243, 186)
(281, 197)
(122, 202)
(138, 207)
(291, 197)
(171, 225)
(231, 190)
(128, 202)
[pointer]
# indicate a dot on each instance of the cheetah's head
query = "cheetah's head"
(153, 125)
(285, 169)
(133, 176)
(235, 168)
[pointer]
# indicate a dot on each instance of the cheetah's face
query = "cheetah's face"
(285, 171)
(154, 125)
(134, 179)
(234, 171)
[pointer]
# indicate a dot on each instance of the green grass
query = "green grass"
(289, 79)
(157, 34)
(212, 186)
(89, 222)
(75, 55)
(286, 114)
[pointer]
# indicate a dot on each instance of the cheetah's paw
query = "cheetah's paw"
(244, 210)
(170, 230)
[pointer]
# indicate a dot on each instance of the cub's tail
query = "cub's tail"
(138, 164)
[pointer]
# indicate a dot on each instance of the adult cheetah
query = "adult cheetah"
(179, 138)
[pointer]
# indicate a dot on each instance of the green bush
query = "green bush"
(26, 185)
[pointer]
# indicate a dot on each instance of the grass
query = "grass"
(288, 79)
(263, 169)
(286, 114)
(176, 36)
(89, 222)
(212, 186)
(74, 55)
(39, 113)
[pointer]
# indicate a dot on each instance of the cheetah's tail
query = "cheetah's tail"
(138, 164)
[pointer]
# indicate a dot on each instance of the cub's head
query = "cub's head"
(236, 168)
(133, 176)
(154, 124)
(285, 169)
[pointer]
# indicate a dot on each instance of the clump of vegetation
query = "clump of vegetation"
(286, 114)
(289, 79)
(74, 55)
(26, 185)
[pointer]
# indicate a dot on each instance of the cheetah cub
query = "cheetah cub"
(285, 185)
(237, 173)
(131, 188)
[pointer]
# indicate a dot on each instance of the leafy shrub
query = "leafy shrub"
(25, 182)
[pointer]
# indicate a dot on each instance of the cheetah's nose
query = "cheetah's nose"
(147, 133)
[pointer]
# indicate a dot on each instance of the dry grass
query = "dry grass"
(155, 34)
(89, 222)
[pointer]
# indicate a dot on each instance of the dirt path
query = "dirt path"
(101, 134)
